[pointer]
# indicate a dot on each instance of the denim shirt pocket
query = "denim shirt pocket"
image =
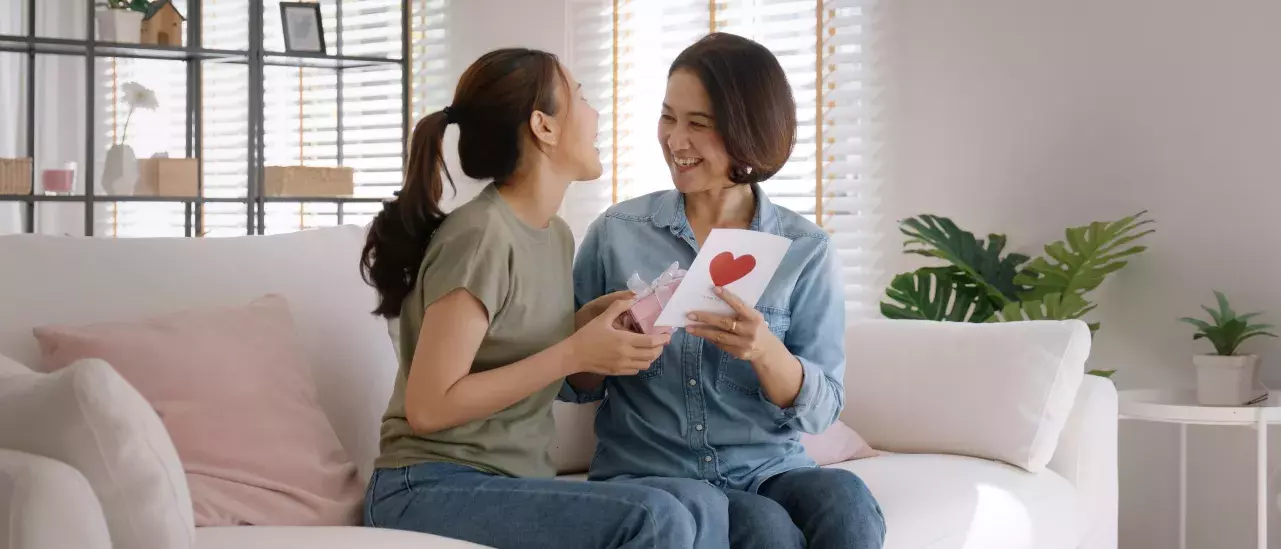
(656, 367)
(655, 370)
(738, 375)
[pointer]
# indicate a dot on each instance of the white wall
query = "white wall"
(1025, 117)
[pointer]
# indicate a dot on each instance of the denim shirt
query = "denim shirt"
(698, 412)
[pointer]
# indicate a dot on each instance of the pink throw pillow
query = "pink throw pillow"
(235, 392)
(837, 444)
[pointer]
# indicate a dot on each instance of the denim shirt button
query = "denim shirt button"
(693, 382)
(698, 427)
(708, 459)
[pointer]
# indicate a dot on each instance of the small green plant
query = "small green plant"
(1229, 329)
(135, 5)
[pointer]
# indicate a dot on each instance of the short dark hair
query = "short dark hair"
(751, 101)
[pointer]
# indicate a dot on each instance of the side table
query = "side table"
(1181, 407)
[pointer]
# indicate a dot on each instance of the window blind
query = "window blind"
(621, 50)
(431, 88)
(225, 139)
(302, 106)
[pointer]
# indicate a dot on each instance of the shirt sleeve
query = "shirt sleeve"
(476, 259)
(589, 284)
(589, 265)
(816, 337)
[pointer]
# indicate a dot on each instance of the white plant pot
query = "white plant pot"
(1226, 380)
(124, 26)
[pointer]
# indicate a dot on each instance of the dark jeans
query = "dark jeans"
(503, 512)
(816, 508)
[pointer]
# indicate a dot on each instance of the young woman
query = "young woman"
(716, 419)
(489, 329)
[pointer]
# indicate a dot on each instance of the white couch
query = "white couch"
(930, 501)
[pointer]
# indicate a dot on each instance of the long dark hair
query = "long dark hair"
(752, 103)
(492, 104)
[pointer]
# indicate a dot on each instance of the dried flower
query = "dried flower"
(137, 97)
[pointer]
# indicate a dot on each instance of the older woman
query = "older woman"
(716, 419)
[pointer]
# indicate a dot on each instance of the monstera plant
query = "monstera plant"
(981, 282)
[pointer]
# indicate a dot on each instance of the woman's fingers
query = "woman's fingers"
(645, 356)
(733, 301)
(731, 343)
(724, 323)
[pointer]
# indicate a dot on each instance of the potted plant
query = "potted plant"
(1226, 378)
(981, 282)
(122, 21)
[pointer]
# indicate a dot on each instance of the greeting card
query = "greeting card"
(739, 260)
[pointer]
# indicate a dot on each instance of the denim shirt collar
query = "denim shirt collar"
(671, 213)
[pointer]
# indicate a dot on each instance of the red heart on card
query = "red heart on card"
(726, 269)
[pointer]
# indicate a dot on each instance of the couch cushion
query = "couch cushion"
(955, 502)
(235, 393)
(335, 537)
(90, 418)
(574, 442)
(837, 444)
(76, 280)
(997, 391)
(11, 366)
(47, 503)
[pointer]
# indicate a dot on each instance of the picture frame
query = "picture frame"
(303, 28)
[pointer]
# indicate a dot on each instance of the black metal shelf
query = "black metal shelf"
(256, 57)
(67, 46)
(342, 199)
(100, 198)
(319, 61)
(64, 46)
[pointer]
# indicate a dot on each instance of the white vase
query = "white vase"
(124, 26)
(120, 171)
(1226, 380)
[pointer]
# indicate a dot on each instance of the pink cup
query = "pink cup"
(57, 180)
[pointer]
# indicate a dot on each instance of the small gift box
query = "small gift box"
(650, 300)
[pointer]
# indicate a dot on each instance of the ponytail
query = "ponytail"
(492, 105)
(399, 235)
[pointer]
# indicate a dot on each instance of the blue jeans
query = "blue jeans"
(812, 507)
(463, 503)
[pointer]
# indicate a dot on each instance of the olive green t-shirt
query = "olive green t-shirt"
(522, 275)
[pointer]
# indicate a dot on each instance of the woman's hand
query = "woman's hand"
(602, 347)
(744, 335)
(596, 307)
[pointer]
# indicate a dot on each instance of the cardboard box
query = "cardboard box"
(168, 177)
(308, 181)
(15, 176)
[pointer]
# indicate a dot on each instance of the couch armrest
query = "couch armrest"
(1087, 457)
(47, 503)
